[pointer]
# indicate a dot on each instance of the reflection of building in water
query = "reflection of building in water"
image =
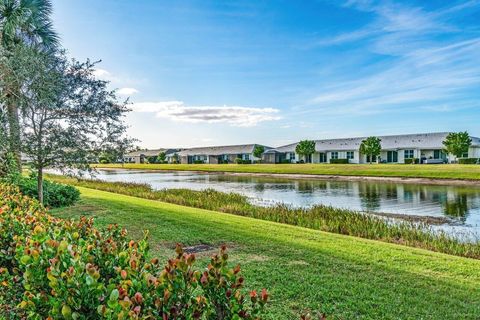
(413, 199)
(370, 196)
(456, 206)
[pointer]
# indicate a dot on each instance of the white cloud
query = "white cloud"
(233, 115)
(127, 91)
(423, 66)
(102, 74)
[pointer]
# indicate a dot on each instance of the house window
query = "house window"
(350, 155)
(245, 156)
(465, 155)
(291, 156)
(438, 154)
(323, 157)
(408, 154)
(334, 155)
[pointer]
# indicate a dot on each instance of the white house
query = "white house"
(427, 147)
(219, 154)
(140, 156)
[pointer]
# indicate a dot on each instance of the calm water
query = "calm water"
(460, 204)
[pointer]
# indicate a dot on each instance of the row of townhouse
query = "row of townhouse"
(212, 155)
(142, 156)
(426, 147)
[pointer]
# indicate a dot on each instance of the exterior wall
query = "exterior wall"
(474, 152)
(213, 159)
(270, 158)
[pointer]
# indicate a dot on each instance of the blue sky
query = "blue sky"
(274, 72)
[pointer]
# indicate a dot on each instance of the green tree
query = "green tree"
(162, 157)
(176, 158)
(8, 165)
(457, 143)
(371, 147)
(258, 151)
(305, 148)
(25, 22)
(68, 116)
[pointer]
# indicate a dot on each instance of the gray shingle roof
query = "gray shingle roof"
(150, 153)
(219, 150)
(405, 141)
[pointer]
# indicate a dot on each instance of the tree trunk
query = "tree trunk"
(40, 185)
(14, 131)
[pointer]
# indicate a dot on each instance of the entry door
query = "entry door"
(392, 156)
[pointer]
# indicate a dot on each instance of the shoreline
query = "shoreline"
(302, 176)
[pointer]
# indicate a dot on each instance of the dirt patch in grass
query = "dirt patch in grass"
(199, 248)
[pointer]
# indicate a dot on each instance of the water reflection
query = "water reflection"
(370, 197)
(462, 204)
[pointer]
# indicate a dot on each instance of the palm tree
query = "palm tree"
(24, 22)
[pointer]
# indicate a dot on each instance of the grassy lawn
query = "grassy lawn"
(346, 277)
(447, 171)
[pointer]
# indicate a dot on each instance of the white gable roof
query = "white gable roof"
(405, 141)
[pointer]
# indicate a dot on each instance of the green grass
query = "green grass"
(447, 171)
(346, 277)
(320, 217)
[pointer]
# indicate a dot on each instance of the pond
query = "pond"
(459, 205)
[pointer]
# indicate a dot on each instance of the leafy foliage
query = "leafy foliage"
(457, 143)
(339, 161)
(258, 151)
(469, 161)
(69, 118)
(22, 23)
(371, 147)
(27, 22)
(55, 194)
(305, 147)
(69, 269)
(162, 157)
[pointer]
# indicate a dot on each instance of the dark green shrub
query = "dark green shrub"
(468, 161)
(241, 161)
(198, 162)
(54, 194)
(285, 161)
(412, 161)
(339, 161)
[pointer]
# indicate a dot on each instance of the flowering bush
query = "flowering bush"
(57, 269)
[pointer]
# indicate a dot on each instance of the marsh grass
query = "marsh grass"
(319, 217)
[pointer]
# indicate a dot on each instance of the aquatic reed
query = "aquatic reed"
(319, 217)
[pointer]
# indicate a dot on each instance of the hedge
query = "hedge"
(468, 161)
(339, 161)
(412, 160)
(241, 161)
(54, 194)
(60, 269)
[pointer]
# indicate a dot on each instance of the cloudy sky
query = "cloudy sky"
(210, 72)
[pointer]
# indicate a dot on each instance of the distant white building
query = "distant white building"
(141, 156)
(427, 147)
(219, 154)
